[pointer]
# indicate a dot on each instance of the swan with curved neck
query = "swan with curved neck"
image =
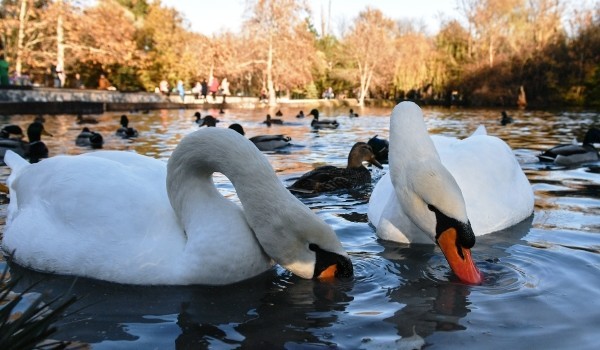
(108, 215)
(447, 191)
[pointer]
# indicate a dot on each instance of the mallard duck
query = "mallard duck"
(380, 148)
(87, 119)
(125, 131)
(265, 142)
(198, 117)
(11, 138)
(505, 119)
(278, 113)
(88, 138)
(330, 178)
(435, 181)
(322, 124)
(36, 149)
(352, 114)
(270, 121)
(300, 115)
(11, 131)
(569, 154)
(126, 218)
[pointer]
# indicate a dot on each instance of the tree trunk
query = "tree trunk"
(21, 37)
(364, 73)
(270, 85)
(60, 42)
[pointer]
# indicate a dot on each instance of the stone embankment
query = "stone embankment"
(42, 100)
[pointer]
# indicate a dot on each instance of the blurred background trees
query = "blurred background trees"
(502, 52)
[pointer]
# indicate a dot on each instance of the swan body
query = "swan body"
(109, 215)
(474, 185)
(569, 154)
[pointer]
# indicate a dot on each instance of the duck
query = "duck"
(380, 148)
(88, 138)
(11, 131)
(300, 115)
(209, 121)
(34, 150)
(330, 178)
(126, 218)
(88, 119)
(269, 120)
(11, 138)
(446, 191)
(505, 119)
(264, 142)
(125, 131)
(570, 154)
(353, 114)
(278, 113)
(198, 117)
(322, 124)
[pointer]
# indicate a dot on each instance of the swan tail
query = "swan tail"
(481, 130)
(15, 161)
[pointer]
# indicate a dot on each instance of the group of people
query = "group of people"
(200, 90)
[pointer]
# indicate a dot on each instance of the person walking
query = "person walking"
(224, 89)
(204, 89)
(214, 88)
(181, 90)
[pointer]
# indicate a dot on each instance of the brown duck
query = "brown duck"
(331, 178)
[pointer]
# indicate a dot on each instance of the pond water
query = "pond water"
(542, 285)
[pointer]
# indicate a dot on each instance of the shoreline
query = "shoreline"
(43, 100)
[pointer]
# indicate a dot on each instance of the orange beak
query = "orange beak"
(459, 258)
(328, 273)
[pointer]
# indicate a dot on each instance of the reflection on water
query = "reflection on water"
(541, 276)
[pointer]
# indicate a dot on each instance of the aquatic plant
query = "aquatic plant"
(30, 328)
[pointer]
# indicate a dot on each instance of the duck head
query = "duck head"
(124, 121)
(361, 152)
(209, 121)
(315, 113)
(237, 127)
(35, 132)
(592, 136)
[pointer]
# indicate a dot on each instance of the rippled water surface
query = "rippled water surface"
(542, 284)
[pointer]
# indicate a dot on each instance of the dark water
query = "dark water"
(542, 285)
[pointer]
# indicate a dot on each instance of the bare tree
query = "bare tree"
(370, 46)
(280, 43)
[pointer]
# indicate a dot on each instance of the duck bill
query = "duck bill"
(459, 258)
(45, 133)
(374, 162)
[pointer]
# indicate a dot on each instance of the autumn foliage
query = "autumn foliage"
(499, 51)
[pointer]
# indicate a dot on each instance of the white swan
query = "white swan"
(108, 215)
(448, 196)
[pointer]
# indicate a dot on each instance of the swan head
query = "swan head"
(304, 245)
(455, 239)
(429, 194)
